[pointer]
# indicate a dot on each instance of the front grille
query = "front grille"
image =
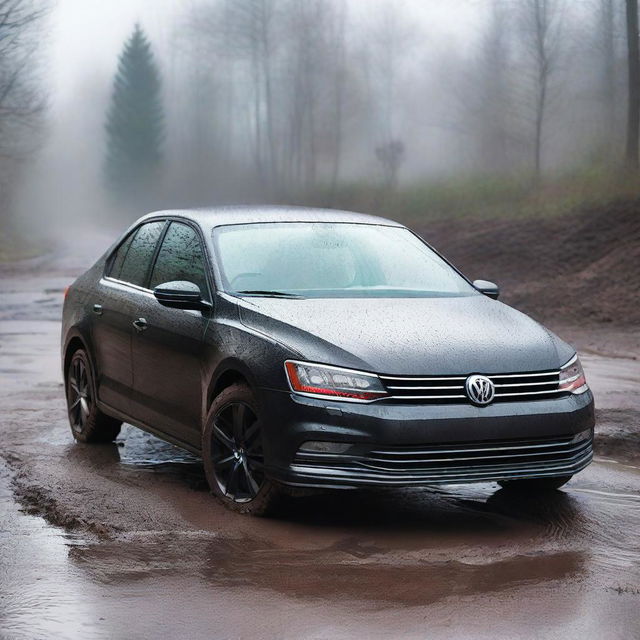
(450, 389)
(459, 462)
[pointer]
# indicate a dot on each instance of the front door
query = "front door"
(168, 346)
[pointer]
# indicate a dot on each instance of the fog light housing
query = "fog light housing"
(587, 434)
(316, 446)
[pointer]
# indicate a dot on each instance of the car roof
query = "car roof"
(245, 214)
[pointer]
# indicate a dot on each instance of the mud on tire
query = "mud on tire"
(232, 452)
(88, 423)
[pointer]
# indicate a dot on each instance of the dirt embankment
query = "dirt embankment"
(582, 267)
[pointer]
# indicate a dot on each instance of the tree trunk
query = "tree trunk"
(633, 123)
(609, 69)
(338, 97)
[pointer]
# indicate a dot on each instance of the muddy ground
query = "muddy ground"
(123, 540)
(582, 267)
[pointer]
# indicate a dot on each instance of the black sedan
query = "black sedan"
(293, 347)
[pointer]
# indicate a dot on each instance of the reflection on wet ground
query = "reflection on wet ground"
(362, 557)
(40, 594)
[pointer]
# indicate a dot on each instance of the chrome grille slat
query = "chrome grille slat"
(459, 387)
(369, 463)
(423, 378)
(451, 389)
(440, 397)
(523, 375)
(508, 447)
(525, 384)
(528, 393)
(512, 460)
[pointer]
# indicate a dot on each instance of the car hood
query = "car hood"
(408, 336)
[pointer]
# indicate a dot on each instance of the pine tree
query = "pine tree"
(135, 123)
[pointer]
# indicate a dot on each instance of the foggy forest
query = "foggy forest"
(329, 102)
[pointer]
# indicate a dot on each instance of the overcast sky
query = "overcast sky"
(87, 35)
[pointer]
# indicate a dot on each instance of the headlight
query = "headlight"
(572, 377)
(323, 380)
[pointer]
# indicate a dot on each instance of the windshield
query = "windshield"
(328, 260)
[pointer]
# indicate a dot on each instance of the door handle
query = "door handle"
(140, 324)
(97, 309)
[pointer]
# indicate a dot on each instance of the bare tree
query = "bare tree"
(633, 121)
(391, 38)
(339, 80)
(606, 20)
(307, 60)
(540, 22)
(483, 92)
(243, 31)
(21, 98)
(249, 27)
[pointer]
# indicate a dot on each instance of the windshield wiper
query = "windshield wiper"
(266, 292)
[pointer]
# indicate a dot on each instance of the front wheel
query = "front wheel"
(533, 485)
(88, 423)
(232, 450)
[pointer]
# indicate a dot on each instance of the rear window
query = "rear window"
(133, 258)
(119, 256)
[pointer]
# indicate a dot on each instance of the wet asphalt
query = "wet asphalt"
(123, 540)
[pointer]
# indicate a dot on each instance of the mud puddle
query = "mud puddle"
(452, 562)
(40, 589)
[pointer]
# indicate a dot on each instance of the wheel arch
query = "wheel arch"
(229, 373)
(73, 343)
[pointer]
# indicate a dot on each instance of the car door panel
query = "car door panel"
(167, 369)
(168, 351)
(111, 332)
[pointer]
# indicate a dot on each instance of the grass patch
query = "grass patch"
(481, 196)
(15, 246)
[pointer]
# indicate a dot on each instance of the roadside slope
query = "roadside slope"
(582, 267)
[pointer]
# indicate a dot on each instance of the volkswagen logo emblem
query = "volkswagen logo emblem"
(479, 389)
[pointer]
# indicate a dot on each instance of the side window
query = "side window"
(120, 255)
(136, 263)
(180, 258)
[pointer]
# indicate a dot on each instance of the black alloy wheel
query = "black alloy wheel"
(233, 453)
(237, 452)
(88, 423)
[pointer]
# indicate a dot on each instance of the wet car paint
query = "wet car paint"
(173, 371)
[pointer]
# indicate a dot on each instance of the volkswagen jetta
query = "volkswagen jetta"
(293, 347)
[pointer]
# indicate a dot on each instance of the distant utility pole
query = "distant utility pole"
(633, 123)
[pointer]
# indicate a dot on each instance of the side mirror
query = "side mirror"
(489, 289)
(180, 294)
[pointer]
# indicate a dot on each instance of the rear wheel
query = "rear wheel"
(88, 423)
(232, 449)
(532, 485)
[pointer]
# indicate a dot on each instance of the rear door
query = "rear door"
(113, 308)
(167, 353)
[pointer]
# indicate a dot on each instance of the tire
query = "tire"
(533, 485)
(88, 423)
(232, 452)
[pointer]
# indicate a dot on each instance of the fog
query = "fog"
(303, 102)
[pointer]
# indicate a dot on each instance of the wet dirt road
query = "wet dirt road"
(123, 541)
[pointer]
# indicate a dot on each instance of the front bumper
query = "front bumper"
(412, 445)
